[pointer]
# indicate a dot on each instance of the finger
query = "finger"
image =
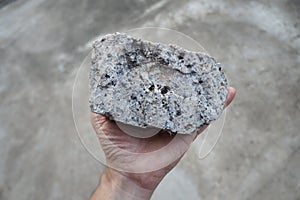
(103, 125)
(198, 132)
(97, 120)
(230, 96)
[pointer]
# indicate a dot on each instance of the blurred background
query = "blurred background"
(42, 44)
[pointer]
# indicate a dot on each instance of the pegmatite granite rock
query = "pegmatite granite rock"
(152, 84)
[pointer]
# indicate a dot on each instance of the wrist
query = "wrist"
(115, 185)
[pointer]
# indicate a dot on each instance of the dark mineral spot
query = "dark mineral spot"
(133, 97)
(165, 89)
(151, 88)
(181, 56)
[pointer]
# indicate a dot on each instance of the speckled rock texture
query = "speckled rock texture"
(151, 84)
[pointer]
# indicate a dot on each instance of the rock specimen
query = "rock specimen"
(151, 84)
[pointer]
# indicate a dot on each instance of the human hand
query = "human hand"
(137, 165)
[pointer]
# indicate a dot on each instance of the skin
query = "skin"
(123, 179)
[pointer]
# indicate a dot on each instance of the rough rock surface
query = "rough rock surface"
(151, 84)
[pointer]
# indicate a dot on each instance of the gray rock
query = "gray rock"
(151, 84)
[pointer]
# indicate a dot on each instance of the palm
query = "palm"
(157, 154)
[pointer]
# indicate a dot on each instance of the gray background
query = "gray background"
(42, 44)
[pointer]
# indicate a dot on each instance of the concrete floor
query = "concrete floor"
(42, 44)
